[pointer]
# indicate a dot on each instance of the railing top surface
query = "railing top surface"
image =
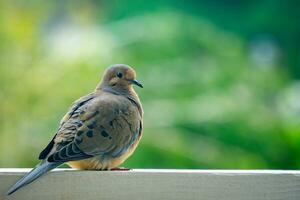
(198, 171)
(149, 184)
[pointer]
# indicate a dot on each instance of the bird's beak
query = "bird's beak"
(135, 82)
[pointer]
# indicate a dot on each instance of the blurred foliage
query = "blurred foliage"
(221, 77)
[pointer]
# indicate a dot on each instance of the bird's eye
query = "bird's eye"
(119, 74)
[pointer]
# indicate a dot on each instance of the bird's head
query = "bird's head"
(119, 77)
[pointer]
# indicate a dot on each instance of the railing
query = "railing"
(156, 184)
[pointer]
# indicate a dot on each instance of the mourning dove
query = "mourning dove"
(99, 132)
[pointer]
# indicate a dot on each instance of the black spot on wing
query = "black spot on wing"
(90, 133)
(104, 133)
(92, 125)
(82, 112)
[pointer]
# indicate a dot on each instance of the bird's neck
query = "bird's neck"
(129, 93)
(124, 90)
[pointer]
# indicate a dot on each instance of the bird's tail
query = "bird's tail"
(35, 173)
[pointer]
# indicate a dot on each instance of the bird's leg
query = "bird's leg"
(119, 169)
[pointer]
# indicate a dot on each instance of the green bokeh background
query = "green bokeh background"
(221, 78)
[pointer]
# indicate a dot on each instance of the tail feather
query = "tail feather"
(35, 173)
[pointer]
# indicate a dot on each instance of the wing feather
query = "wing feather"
(108, 127)
(76, 106)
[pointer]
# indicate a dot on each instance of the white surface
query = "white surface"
(156, 184)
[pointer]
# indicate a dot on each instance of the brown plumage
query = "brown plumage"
(100, 131)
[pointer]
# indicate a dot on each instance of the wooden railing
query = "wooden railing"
(64, 184)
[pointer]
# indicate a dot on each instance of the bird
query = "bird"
(99, 131)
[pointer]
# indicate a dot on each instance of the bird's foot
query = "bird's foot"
(120, 169)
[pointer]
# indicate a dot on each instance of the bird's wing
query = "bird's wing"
(107, 125)
(72, 113)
